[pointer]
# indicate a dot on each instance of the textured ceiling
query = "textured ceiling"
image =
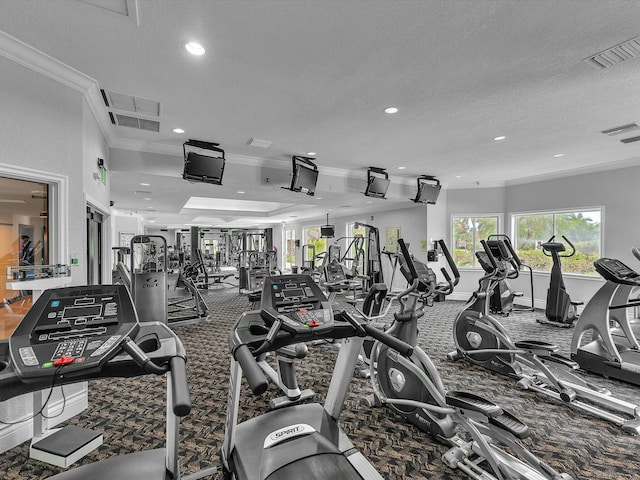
(316, 76)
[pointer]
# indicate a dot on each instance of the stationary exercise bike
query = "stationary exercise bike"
(412, 388)
(482, 340)
(560, 311)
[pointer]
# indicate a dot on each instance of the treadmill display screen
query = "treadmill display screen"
(77, 312)
(297, 293)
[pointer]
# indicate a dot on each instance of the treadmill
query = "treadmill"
(611, 351)
(80, 333)
(305, 440)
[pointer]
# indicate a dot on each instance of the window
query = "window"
(581, 227)
(467, 231)
(289, 247)
(24, 244)
(314, 244)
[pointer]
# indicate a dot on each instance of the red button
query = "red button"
(79, 359)
(314, 323)
(302, 310)
(63, 360)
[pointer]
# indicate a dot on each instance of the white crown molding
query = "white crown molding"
(32, 58)
(27, 56)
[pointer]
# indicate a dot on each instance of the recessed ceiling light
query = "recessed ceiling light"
(369, 201)
(558, 155)
(391, 110)
(145, 184)
(311, 154)
(458, 176)
(178, 130)
(147, 198)
(194, 48)
(499, 137)
(318, 198)
(401, 168)
(240, 191)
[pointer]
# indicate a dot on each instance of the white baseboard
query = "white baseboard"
(13, 435)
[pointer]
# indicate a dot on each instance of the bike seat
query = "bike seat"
(475, 403)
(509, 422)
(537, 347)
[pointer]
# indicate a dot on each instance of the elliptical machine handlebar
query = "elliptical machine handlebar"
(451, 263)
(364, 329)
(557, 247)
(251, 370)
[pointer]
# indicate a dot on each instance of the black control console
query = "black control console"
(617, 272)
(71, 331)
(298, 302)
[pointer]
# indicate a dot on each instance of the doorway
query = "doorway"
(95, 221)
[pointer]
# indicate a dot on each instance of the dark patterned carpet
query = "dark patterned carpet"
(130, 413)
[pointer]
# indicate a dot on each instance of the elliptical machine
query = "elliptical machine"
(482, 340)
(412, 388)
(504, 295)
(560, 311)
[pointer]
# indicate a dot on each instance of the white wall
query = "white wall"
(41, 129)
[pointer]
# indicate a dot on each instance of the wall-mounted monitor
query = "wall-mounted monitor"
(327, 231)
(304, 176)
(203, 162)
(377, 182)
(428, 190)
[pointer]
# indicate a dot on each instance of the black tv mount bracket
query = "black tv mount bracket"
(378, 170)
(305, 160)
(427, 178)
(200, 144)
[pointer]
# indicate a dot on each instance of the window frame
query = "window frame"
(561, 211)
(58, 206)
(499, 228)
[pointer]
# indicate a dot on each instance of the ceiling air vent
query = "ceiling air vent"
(136, 122)
(630, 140)
(623, 129)
(133, 112)
(614, 55)
(259, 142)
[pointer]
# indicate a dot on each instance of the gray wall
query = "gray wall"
(615, 191)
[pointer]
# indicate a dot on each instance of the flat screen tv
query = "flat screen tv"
(305, 175)
(327, 231)
(206, 165)
(377, 187)
(427, 193)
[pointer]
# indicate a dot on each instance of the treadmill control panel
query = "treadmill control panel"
(297, 301)
(72, 329)
(617, 272)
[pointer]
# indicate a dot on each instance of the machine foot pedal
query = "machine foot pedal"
(509, 422)
(475, 403)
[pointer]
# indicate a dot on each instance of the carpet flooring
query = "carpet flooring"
(130, 412)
